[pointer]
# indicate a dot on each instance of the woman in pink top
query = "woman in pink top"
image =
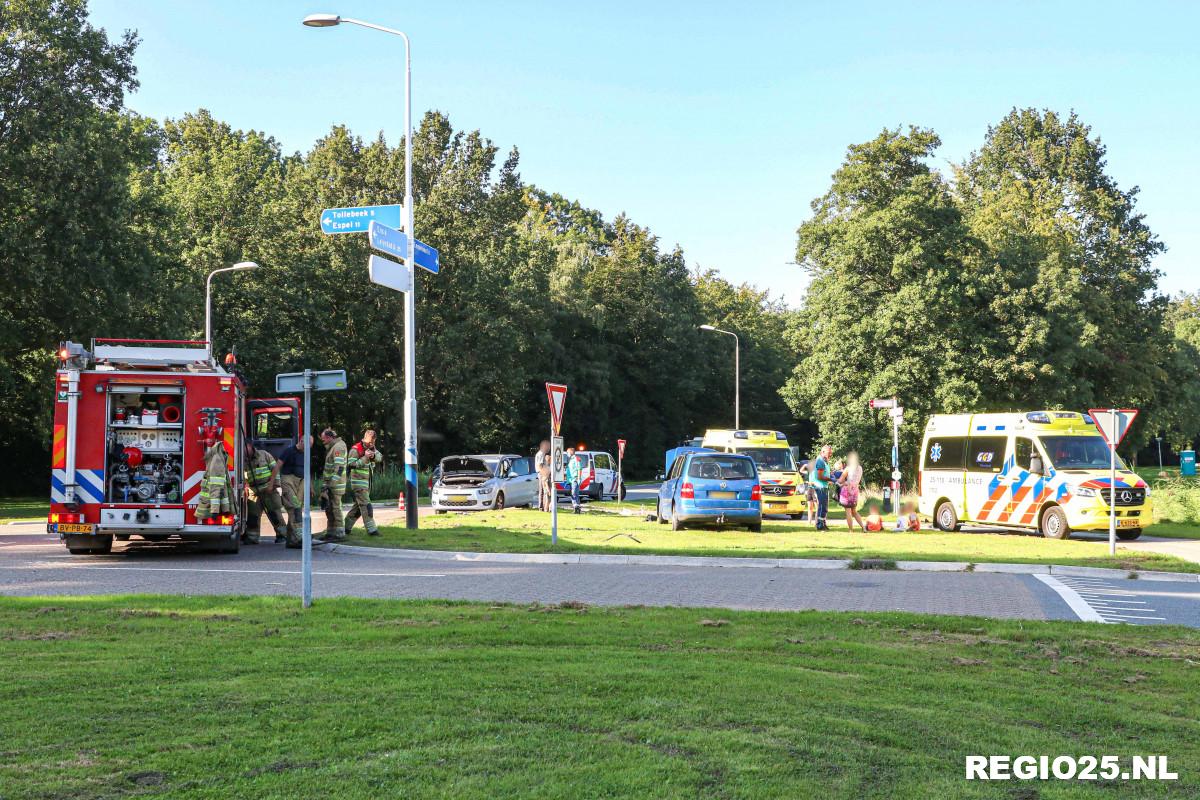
(848, 483)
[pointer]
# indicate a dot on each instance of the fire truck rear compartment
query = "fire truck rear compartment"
(144, 440)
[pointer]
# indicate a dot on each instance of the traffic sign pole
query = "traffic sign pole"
(556, 395)
(306, 557)
(553, 497)
(1113, 438)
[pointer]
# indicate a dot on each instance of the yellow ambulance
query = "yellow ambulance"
(1041, 470)
(782, 484)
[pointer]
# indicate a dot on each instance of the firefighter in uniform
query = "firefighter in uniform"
(361, 459)
(289, 474)
(260, 483)
(214, 488)
(333, 485)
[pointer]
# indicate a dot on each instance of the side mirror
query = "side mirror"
(1036, 466)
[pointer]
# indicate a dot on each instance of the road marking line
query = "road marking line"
(261, 571)
(1082, 610)
(1128, 616)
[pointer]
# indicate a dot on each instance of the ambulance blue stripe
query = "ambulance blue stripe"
(999, 427)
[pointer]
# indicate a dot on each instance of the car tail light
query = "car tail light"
(687, 491)
(756, 492)
(67, 518)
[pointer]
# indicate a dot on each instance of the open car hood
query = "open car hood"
(465, 465)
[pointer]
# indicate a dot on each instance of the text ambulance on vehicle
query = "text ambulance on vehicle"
(131, 419)
(782, 486)
(1044, 470)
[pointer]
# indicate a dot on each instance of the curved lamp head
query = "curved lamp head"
(322, 20)
(707, 328)
(245, 265)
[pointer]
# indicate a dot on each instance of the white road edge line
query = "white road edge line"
(1072, 599)
(268, 571)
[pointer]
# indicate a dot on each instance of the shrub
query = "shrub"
(1176, 500)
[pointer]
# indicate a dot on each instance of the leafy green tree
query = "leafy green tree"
(891, 308)
(71, 196)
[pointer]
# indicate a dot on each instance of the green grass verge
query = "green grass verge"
(21, 509)
(524, 531)
(252, 698)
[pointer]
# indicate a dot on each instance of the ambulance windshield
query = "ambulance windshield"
(1078, 452)
(771, 459)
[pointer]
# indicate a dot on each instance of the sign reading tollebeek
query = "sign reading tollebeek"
(356, 219)
(557, 394)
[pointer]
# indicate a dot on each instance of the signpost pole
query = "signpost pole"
(553, 493)
(895, 458)
(1112, 482)
(306, 559)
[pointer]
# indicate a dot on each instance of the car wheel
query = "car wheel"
(676, 522)
(439, 511)
(658, 515)
(622, 492)
(99, 545)
(499, 505)
(796, 516)
(1054, 524)
(597, 491)
(945, 518)
(1129, 534)
(755, 528)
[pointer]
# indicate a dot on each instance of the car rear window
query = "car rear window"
(717, 468)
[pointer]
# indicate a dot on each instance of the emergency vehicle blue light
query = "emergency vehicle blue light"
(780, 435)
(740, 435)
(1038, 416)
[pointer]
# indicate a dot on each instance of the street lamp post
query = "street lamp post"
(737, 379)
(410, 303)
(1159, 440)
(208, 340)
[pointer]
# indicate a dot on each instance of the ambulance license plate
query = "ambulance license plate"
(722, 495)
(776, 505)
(1128, 523)
(75, 527)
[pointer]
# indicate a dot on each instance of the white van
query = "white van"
(1042, 470)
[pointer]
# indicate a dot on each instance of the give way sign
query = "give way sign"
(1113, 423)
(557, 394)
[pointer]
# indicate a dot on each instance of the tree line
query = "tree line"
(1020, 278)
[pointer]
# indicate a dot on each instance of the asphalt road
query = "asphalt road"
(33, 563)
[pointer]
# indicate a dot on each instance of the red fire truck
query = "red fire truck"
(130, 420)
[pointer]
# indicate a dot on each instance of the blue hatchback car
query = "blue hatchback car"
(713, 488)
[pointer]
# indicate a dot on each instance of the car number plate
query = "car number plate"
(722, 495)
(776, 505)
(75, 527)
(1128, 523)
(459, 498)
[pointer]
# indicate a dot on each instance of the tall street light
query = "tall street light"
(208, 340)
(737, 380)
(410, 303)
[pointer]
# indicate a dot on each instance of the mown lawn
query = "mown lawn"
(252, 698)
(525, 531)
(19, 509)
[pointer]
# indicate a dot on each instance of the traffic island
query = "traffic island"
(525, 531)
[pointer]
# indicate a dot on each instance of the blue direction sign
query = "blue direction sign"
(389, 240)
(425, 256)
(357, 219)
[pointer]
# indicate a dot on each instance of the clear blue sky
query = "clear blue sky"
(715, 124)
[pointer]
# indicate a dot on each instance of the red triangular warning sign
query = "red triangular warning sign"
(1113, 423)
(557, 394)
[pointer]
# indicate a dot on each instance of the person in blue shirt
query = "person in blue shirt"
(574, 474)
(819, 477)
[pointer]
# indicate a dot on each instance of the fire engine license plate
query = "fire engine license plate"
(722, 495)
(75, 527)
(1127, 523)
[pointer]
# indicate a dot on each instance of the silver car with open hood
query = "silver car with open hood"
(479, 482)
